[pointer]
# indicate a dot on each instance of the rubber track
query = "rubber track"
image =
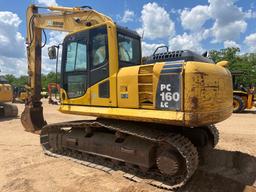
(182, 144)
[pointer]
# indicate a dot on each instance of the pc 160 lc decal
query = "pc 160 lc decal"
(168, 92)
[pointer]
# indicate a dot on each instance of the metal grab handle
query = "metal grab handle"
(163, 46)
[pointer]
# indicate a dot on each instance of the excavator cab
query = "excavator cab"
(90, 65)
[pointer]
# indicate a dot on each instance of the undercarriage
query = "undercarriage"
(160, 155)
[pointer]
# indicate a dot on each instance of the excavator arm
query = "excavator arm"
(58, 19)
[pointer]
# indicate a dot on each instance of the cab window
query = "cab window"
(128, 50)
(76, 56)
(99, 47)
(75, 66)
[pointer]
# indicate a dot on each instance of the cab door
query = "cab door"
(75, 67)
(99, 67)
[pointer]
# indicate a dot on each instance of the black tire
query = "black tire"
(238, 104)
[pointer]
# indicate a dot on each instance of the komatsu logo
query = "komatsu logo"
(55, 24)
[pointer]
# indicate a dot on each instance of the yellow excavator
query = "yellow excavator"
(6, 95)
(152, 118)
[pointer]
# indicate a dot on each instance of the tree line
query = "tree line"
(245, 64)
(22, 80)
(242, 63)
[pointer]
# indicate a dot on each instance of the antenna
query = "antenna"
(142, 35)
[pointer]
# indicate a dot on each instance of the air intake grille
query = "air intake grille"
(145, 83)
(167, 55)
(181, 55)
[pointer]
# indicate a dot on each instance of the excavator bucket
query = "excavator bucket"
(32, 119)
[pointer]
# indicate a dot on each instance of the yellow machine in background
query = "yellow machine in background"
(20, 94)
(6, 95)
(44, 93)
(242, 98)
(152, 115)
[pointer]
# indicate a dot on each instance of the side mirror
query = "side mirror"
(205, 54)
(52, 53)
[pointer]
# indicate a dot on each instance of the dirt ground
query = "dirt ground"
(24, 167)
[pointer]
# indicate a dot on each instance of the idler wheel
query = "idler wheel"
(170, 163)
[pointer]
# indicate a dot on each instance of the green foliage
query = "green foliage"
(22, 80)
(49, 78)
(243, 63)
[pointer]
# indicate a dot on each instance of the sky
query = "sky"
(198, 25)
